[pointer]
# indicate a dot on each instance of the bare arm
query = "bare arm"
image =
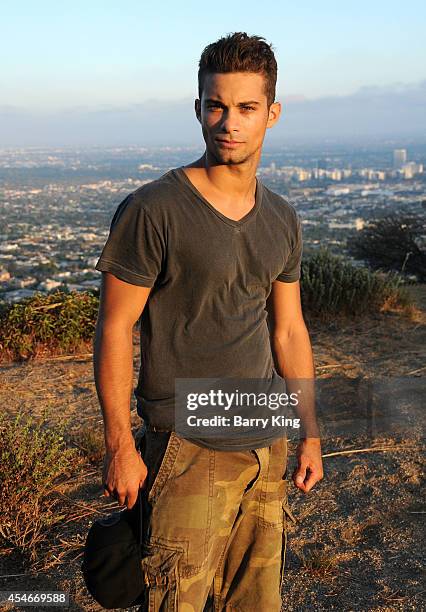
(293, 357)
(121, 304)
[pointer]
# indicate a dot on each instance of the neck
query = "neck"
(236, 180)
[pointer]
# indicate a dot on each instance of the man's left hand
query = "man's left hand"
(309, 470)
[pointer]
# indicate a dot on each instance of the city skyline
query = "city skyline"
(57, 204)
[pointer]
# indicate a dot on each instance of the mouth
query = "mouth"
(228, 144)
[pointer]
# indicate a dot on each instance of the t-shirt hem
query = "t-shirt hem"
(106, 265)
(288, 278)
(221, 444)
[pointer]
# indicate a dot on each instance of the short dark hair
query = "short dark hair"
(238, 52)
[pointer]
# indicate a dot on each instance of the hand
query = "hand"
(309, 470)
(124, 473)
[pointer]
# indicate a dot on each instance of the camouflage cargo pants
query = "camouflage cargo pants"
(215, 526)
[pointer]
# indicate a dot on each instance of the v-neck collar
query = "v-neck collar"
(182, 177)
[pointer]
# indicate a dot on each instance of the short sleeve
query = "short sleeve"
(135, 248)
(291, 271)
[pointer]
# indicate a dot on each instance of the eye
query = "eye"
(248, 108)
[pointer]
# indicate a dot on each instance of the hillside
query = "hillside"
(357, 543)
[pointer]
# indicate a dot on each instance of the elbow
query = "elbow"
(285, 334)
(109, 327)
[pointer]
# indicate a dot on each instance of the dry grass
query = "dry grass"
(319, 562)
(34, 462)
(357, 544)
(91, 443)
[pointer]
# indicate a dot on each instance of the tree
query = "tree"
(394, 242)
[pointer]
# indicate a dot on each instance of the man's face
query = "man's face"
(234, 116)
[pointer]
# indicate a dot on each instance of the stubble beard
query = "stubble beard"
(229, 158)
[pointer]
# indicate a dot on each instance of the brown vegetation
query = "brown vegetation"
(357, 544)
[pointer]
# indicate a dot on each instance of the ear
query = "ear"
(197, 107)
(274, 114)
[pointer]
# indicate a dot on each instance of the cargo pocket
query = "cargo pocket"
(287, 516)
(161, 576)
(160, 462)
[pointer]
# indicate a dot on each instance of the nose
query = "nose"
(230, 121)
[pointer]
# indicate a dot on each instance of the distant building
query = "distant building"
(372, 175)
(336, 175)
(4, 275)
(48, 285)
(399, 158)
(359, 224)
(322, 164)
(337, 191)
(303, 175)
(410, 169)
(17, 295)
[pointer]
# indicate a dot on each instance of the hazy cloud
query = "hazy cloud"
(385, 111)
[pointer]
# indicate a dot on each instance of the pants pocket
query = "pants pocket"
(271, 504)
(161, 576)
(159, 456)
(273, 486)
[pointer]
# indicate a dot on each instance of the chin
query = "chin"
(230, 158)
(234, 162)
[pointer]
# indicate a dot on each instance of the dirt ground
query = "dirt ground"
(358, 543)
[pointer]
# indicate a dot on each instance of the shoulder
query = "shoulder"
(148, 204)
(155, 196)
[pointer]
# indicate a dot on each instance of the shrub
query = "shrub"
(91, 443)
(395, 242)
(59, 322)
(62, 322)
(33, 460)
(319, 561)
(331, 286)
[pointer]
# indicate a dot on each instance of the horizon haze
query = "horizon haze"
(395, 111)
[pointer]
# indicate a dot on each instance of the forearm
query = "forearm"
(294, 362)
(113, 371)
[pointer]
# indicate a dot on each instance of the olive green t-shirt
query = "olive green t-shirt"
(210, 276)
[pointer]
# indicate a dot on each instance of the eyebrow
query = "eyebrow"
(214, 101)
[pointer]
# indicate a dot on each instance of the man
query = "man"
(201, 255)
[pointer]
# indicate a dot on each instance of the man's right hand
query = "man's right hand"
(124, 473)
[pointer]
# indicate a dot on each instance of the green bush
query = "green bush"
(393, 242)
(59, 322)
(33, 460)
(63, 322)
(333, 286)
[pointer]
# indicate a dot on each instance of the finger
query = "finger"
(131, 500)
(311, 480)
(299, 482)
(121, 498)
(299, 476)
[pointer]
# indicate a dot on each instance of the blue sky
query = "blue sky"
(66, 54)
